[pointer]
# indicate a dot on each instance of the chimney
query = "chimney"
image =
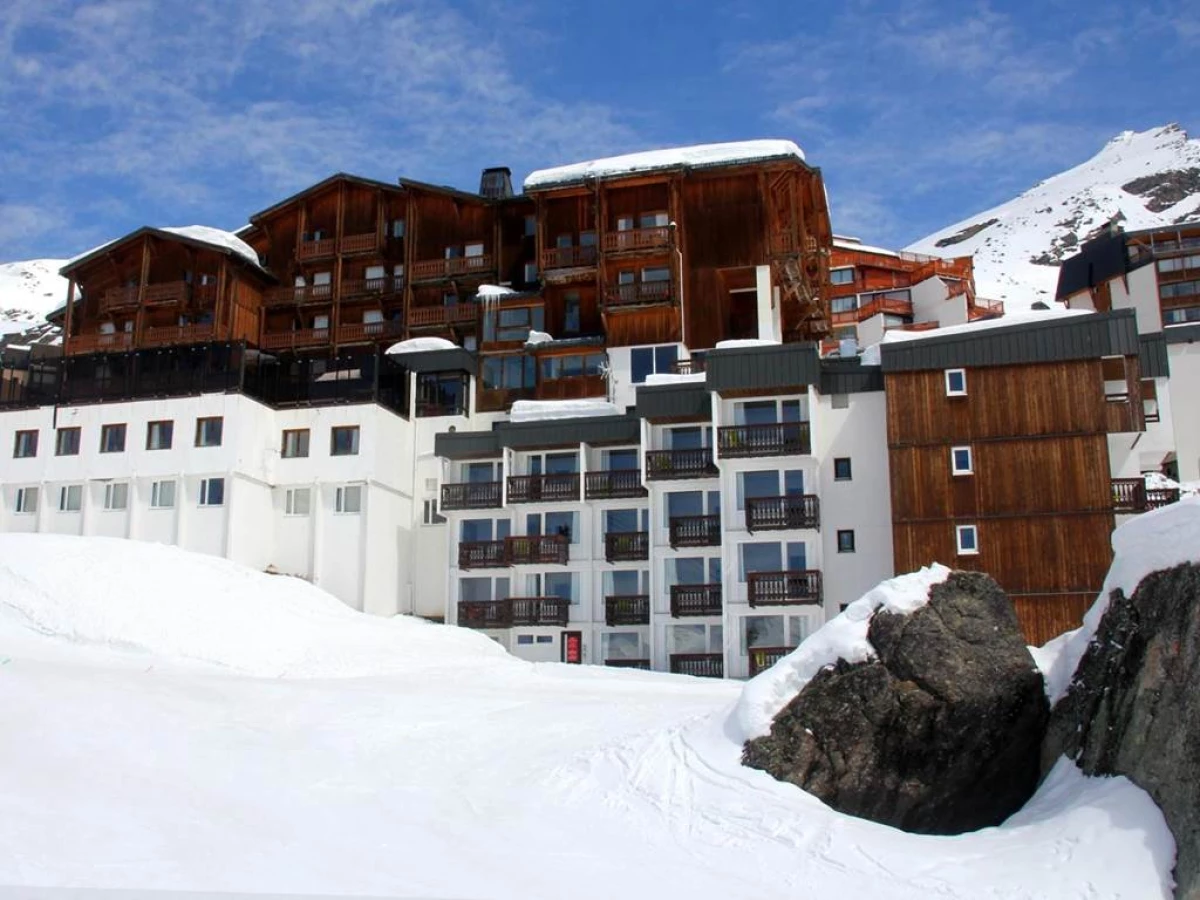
(496, 183)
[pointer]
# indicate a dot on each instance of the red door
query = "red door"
(572, 647)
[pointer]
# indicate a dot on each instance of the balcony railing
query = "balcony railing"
(443, 316)
(100, 343)
(556, 488)
(643, 664)
(525, 611)
(368, 331)
(360, 243)
(694, 531)
(776, 439)
(702, 665)
(482, 555)
(165, 335)
(762, 658)
(614, 484)
(119, 298)
(695, 600)
(691, 366)
(781, 513)
(165, 294)
(623, 546)
(299, 295)
(796, 586)
(984, 308)
(568, 257)
(317, 249)
(471, 495)
(639, 293)
(385, 286)
(637, 239)
(1130, 495)
(664, 465)
(627, 609)
(891, 305)
(430, 269)
(291, 340)
(533, 550)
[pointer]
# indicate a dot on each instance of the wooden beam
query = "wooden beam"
(140, 316)
(335, 318)
(410, 243)
(221, 303)
(67, 319)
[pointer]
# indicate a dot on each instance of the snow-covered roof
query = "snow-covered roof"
(494, 292)
(541, 410)
(672, 378)
(695, 157)
(202, 234)
(1036, 317)
(420, 345)
(735, 343)
(854, 244)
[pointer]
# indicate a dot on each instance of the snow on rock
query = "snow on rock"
(28, 291)
(420, 345)
(538, 337)
(1158, 539)
(843, 637)
(697, 156)
(672, 378)
(542, 410)
(745, 342)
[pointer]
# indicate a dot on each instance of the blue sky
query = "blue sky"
(131, 112)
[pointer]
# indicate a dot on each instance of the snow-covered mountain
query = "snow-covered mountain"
(1146, 178)
(29, 290)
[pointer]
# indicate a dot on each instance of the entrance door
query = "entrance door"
(572, 647)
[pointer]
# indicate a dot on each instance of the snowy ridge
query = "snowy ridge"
(1147, 179)
(28, 291)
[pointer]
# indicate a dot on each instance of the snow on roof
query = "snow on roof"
(420, 345)
(493, 291)
(542, 410)
(745, 342)
(214, 237)
(856, 244)
(1038, 317)
(538, 337)
(698, 156)
(671, 378)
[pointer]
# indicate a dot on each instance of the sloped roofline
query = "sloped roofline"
(163, 234)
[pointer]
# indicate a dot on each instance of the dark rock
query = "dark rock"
(939, 735)
(966, 234)
(1134, 706)
(1165, 189)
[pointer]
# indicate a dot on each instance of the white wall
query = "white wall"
(1141, 295)
(931, 304)
(1183, 391)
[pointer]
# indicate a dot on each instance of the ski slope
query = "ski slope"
(29, 290)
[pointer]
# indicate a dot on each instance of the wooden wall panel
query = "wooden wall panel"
(635, 201)
(723, 221)
(653, 325)
(569, 215)
(1046, 616)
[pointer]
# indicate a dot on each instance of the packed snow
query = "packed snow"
(543, 410)
(28, 291)
(420, 345)
(178, 723)
(698, 156)
(1055, 216)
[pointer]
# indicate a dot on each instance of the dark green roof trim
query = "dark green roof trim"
(466, 444)
(569, 432)
(1182, 334)
(1054, 340)
(1152, 356)
(849, 376)
(767, 368)
(687, 401)
(456, 360)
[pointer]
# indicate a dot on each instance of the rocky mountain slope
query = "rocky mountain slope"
(29, 290)
(1145, 179)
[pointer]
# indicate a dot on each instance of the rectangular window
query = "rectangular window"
(475, 249)
(564, 585)
(756, 484)
(349, 499)
(571, 315)
(531, 272)
(762, 632)
(956, 382)
(841, 468)
(764, 557)
(116, 495)
(524, 640)
(960, 461)
(620, 645)
(159, 434)
(845, 541)
(656, 273)
(645, 361)
(112, 438)
(209, 431)
(841, 276)
(25, 444)
(530, 226)
(212, 491)
(430, 514)
(27, 501)
(162, 495)
(653, 220)
(297, 502)
(397, 228)
(839, 401)
(967, 539)
(66, 442)
(624, 223)
(343, 440)
(512, 323)
(70, 498)
(295, 443)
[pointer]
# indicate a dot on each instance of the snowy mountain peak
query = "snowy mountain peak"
(1142, 179)
(29, 290)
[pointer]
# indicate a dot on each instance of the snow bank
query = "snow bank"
(1160, 539)
(538, 337)
(671, 378)
(541, 410)
(843, 637)
(421, 345)
(169, 602)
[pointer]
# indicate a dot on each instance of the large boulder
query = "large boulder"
(1133, 707)
(939, 733)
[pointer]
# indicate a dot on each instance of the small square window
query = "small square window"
(70, 498)
(209, 431)
(845, 540)
(159, 435)
(212, 491)
(349, 499)
(116, 495)
(66, 442)
(967, 538)
(162, 495)
(27, 500)
(298, 502)
(112, 438)
(25, 444)
(960, 461)
(956, 382)
(343, 440)
(295, 443)
(839, 401)
(841, 468)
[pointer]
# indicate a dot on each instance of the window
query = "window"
(844, 304)
(509, 373)
(692, 570)
(162, 495)
(565, 524)
(159, 434)
(840, 401)
(25, 444)
(209, 431)
(27, 501)
(841, 276)
(575, 366)
(759, 557)
(624, 223)
(481, 472)
(66, 442)
(967, 538)
(571, 315)
(512, 323)
(646, 361)
(620, 645)
(530, 226)
(212, 491)
(845, 540)
(430, 514)
(524, 640)
(956, 382)
(349, 499)
(841, 468)
(343, 440)
(656, 273)
(563, 585)
(1179, 263)
(695, 638)
(397, 228)
(960, 460)
(475, 249)
(295, 443)
(297, 502)
(116, 495)
(112, 439)
(653, 220)
(531, 272)
(756, 484)
(70, 498)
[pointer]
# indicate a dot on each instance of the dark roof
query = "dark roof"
(466, 444)
(1058, 339)
(684, 401)
(1097, 261)
(765, 368)
(1152, 356)
(78, 261)
(443, 189)
(448, 360)
(849, 376)
(570, 432)
(320, 185)
(1182, 334)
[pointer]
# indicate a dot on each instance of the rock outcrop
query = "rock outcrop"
(939, 734)
(1133, 708)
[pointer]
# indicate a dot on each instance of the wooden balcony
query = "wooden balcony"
(692, 366)
(892, 306)
(643, 664)
(614, 484)
(538, 550)
(639, 293)
(776, 439)
(983, 308)
(298, 338)
(361, 332)
(668, 465)
(569, 257)
(299, 296)
(1130, 495)
(636, 239)
(125, 297)
(482, 555)
(626, 546)
(436, 269)
(695, 600)
(360, 243)
(783, 513)
(627, 609)
(701, 665)
(559, 488)
(471, 495)
(796, 586)
(361, 288)
(100, 343)
(762, 658)
(165, 335)
(443, 316)
(321, 249)
(523, 611)
(694, 531)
